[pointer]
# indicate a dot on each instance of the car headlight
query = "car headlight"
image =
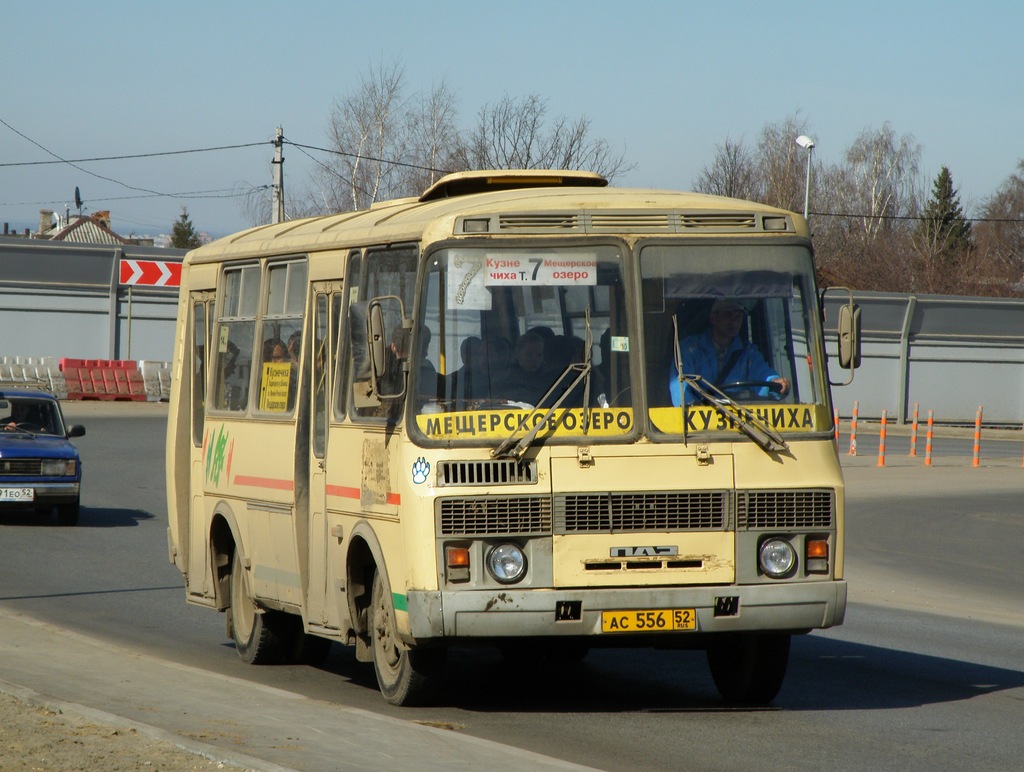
(506, 563)
(57, 467)
(776, 557)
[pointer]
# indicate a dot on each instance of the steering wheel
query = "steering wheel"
(22, 426)
(750, 389)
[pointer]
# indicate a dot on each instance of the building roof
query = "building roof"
(94, 229)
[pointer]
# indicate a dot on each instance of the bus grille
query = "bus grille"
(730, 221)
(493, 515)
(785, 509)
(622, 512)
(21, 466)
(667, 221)
(505, 471)
(629, 512)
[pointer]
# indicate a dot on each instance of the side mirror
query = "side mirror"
(358, 315)
(847, 331)
(76, 430)
(387, 330)
(849, 336)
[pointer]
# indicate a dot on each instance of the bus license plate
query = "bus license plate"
(17, 494)
(648, 620)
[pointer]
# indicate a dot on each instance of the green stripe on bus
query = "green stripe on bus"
(400, 601)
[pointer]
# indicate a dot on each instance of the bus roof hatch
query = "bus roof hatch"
(485, 181)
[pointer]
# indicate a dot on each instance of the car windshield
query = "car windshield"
(731, 325)
(507, 333)
(32, 415)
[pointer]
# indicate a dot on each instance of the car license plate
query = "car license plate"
(17, 494)
(649, 620)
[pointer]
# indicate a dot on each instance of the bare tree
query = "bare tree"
(873, 193)
(882, 171)
(435, 144)
(733, 172)
(781, 166)
(511, 134)
(368, 132)
(1000, 234)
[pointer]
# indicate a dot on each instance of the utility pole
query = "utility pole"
(278, 214)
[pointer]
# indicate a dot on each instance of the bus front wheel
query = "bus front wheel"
(259, 636)
(749, 669)
(405, 676)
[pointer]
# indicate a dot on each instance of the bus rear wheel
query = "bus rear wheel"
(749, 669)
(259, 636)
(405, 676)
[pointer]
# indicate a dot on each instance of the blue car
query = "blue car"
(39, 467)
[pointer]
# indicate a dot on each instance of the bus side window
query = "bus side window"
(387, 272)
(282, 336)
(236, 328)
(200, 340)
(344, 354)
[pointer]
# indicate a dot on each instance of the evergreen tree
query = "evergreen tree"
(183, 233)
(943, 228)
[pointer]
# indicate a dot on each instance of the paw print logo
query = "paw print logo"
(420, 470)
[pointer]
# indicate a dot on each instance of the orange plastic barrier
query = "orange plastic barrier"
(104, 379)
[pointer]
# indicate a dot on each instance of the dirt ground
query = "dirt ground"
(34, 737)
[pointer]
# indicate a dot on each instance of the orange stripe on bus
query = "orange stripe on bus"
(345, 492)
(265, 482)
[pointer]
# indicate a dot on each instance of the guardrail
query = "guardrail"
(100, 379)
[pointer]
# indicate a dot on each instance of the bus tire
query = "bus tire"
(405, 676)
(259, 637)
(749, 669)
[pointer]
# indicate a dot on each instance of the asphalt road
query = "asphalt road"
(927, 672)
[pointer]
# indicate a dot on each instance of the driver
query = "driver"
(719, 355)
(21, 413)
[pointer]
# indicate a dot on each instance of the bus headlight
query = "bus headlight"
(506, 563)
(776, 557)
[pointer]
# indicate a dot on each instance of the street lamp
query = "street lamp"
(808, 144)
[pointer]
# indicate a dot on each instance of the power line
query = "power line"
(304, 147)
(128, 157)
(907, 217)
(368, 158)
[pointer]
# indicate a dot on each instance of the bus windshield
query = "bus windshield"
(725, 324)
(508, 332)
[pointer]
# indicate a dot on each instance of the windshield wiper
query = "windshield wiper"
(509, 446)
(744, 418)
(766, 438)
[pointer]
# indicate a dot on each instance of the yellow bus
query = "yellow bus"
(524, 410)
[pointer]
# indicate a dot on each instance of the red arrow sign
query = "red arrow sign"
(150, 273)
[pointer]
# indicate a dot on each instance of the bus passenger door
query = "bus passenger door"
(200, 580)
(324, 334)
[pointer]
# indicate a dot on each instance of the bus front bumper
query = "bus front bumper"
(502, 613)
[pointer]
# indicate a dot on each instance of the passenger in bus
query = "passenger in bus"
(472, 380)
(721, 357)
(545, 333)
(499, 358)
(523, 382)
(560, 352)
(428, 383)
(295, 345)
(274, 350)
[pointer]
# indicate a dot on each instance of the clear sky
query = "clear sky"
(662, 82)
